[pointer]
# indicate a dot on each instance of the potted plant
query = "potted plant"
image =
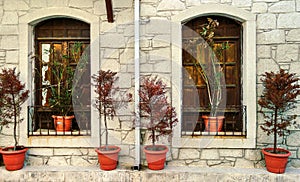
(104, 103)
(12, 95)
(278, 97)
(208, 66)
(160, 119)
(62, 85)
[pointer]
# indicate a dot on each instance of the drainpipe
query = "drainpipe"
(137, 161)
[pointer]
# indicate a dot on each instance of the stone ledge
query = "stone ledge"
(71, 173)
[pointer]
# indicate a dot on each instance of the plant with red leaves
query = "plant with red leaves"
(154, 106)
(278, 97)
(104, 81)
(12, 95)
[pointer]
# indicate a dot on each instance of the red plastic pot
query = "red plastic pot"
(62, 123)
(13, 160)
(156, 158)
(276, 163)
(213, 124)
(108, 159)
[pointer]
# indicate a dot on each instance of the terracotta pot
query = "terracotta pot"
(13, 160)
(276, 163)
(213, 124)
(156, 158)
(62, 123)
(108, 159)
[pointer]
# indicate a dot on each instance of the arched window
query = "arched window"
(195, 94)
(59, 41)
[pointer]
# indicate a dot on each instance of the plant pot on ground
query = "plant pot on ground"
(278, 97)
(106, 103)
(12, 95)
(160, 119)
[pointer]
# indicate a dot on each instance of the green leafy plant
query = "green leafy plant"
(279, 96)
(155, 107)
(12, 95)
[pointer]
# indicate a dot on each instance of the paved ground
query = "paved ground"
(169, 174)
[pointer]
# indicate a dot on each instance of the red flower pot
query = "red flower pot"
(13, 160)
(62, 123)
(156, 156)
(108, 159)
(213, 124)
(276, 163)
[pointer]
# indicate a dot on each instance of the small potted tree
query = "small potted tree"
(104, 103)
(160, 119)
(12, 95)
(278, 97)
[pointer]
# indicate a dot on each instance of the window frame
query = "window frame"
(26, 42)
(248, 77)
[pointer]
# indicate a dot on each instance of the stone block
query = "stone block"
(125, 80)
(161, 41)
(288, 20)
(82, 161)
(15, 5)
(264, 65)
(189, 154)
(148, 10)
(160, 54)
(287, 53)
(34, 161)
(163, 66)
(128, 137)
(253, 155)
(259, 7)
(9, 42)
(12, 57)
(41, 151)
(123, 4)
(38, 3)
(263, 51)
(282, 7)
(158, 26)
(10, 18)
(112, 40)
(243, 163)
(125, 16)
(297, 5)
(110, 64)
(210, 154)
(266, 21)
(57, 3)
(70, 152)
(271, 37)
(170, 5)
(241, 3)
(293, 139)
(58, 161)
(127, 56)
(8, 29)
(231, 152)
(293, 35)
(81, 4)
(192, 3)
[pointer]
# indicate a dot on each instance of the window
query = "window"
(195, 95)
(65, 41)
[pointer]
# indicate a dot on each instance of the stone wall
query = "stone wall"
(278, 42)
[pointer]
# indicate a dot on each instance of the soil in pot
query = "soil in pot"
(276, 162)
(156, 156)
(13, 159)
(108, 157)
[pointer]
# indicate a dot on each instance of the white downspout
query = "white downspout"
(137, 161)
